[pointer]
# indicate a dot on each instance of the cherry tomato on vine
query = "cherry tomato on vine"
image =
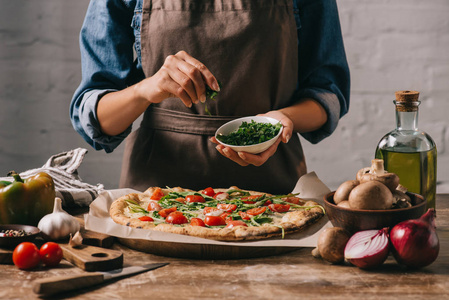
(51, 254)
(26, 256)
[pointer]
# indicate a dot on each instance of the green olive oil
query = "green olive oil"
(409, 152)
(416, 170)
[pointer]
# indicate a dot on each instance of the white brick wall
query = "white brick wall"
(391, 45)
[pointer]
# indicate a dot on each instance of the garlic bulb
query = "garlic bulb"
(59, 224)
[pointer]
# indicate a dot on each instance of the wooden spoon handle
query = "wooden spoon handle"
(54, 285)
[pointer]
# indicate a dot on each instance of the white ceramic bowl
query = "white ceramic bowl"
(235, 124)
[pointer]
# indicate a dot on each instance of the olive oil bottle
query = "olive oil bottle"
(410, 152)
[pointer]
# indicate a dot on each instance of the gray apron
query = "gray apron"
(251, 47)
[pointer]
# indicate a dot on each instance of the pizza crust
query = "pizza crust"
(292, 221)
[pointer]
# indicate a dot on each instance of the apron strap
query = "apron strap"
(170, 120)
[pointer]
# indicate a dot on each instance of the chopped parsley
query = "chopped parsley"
(251, 133)
(210, 94)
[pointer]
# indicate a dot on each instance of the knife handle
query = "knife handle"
(54, 285)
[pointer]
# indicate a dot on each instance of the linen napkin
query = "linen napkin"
(63, 168)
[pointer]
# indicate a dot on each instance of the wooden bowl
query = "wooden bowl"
(13, 241)
(354, 220)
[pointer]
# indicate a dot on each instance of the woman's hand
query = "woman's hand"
(181, 76)
(244, 158)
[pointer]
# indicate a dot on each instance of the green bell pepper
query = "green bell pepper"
(26, 201)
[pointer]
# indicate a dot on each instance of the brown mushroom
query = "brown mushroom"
(401, 200)
(316, 253)
(344, 204)
(401, 188)
(371, 195)
(331, 244)
(377, 173)
(342, 192)
(362, 172)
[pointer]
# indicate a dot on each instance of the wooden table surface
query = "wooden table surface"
(295, 275)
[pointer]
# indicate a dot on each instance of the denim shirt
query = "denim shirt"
(111, 61)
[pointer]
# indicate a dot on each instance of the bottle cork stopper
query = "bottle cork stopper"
(407, 96)
(407, 101)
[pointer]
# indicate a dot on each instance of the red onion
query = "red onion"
(368, 249)
(415, 242)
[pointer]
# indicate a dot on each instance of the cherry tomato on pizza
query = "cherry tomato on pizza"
(197, 222)
(154, 206)
(294, 200)
(248, 201)
(166, 211)
(251, 199)
(268, 202)
(280, 208)
(180, 199)
(244, 215)
(236, 223)
(195, 198)
(176, 217)
(209, 192)
(214, 221)
(50, 254)
(227, 207)
(227, 217)
(221, 196)
(209, 209)
(146, 219)
(157, 194)
(256, 211)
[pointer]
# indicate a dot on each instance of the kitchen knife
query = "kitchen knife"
(58, 284)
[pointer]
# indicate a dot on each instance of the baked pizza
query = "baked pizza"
(229, 214)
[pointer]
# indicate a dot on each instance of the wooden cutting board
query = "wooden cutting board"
(93, 238)
(6, 256)
(88, 258)
(202, 251)
(93, 255)
(91, 258)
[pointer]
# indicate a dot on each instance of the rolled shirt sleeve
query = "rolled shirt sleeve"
(91, 126)
(323, 71)
(108, 64)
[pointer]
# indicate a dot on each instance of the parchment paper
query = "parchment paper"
(309, 186)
